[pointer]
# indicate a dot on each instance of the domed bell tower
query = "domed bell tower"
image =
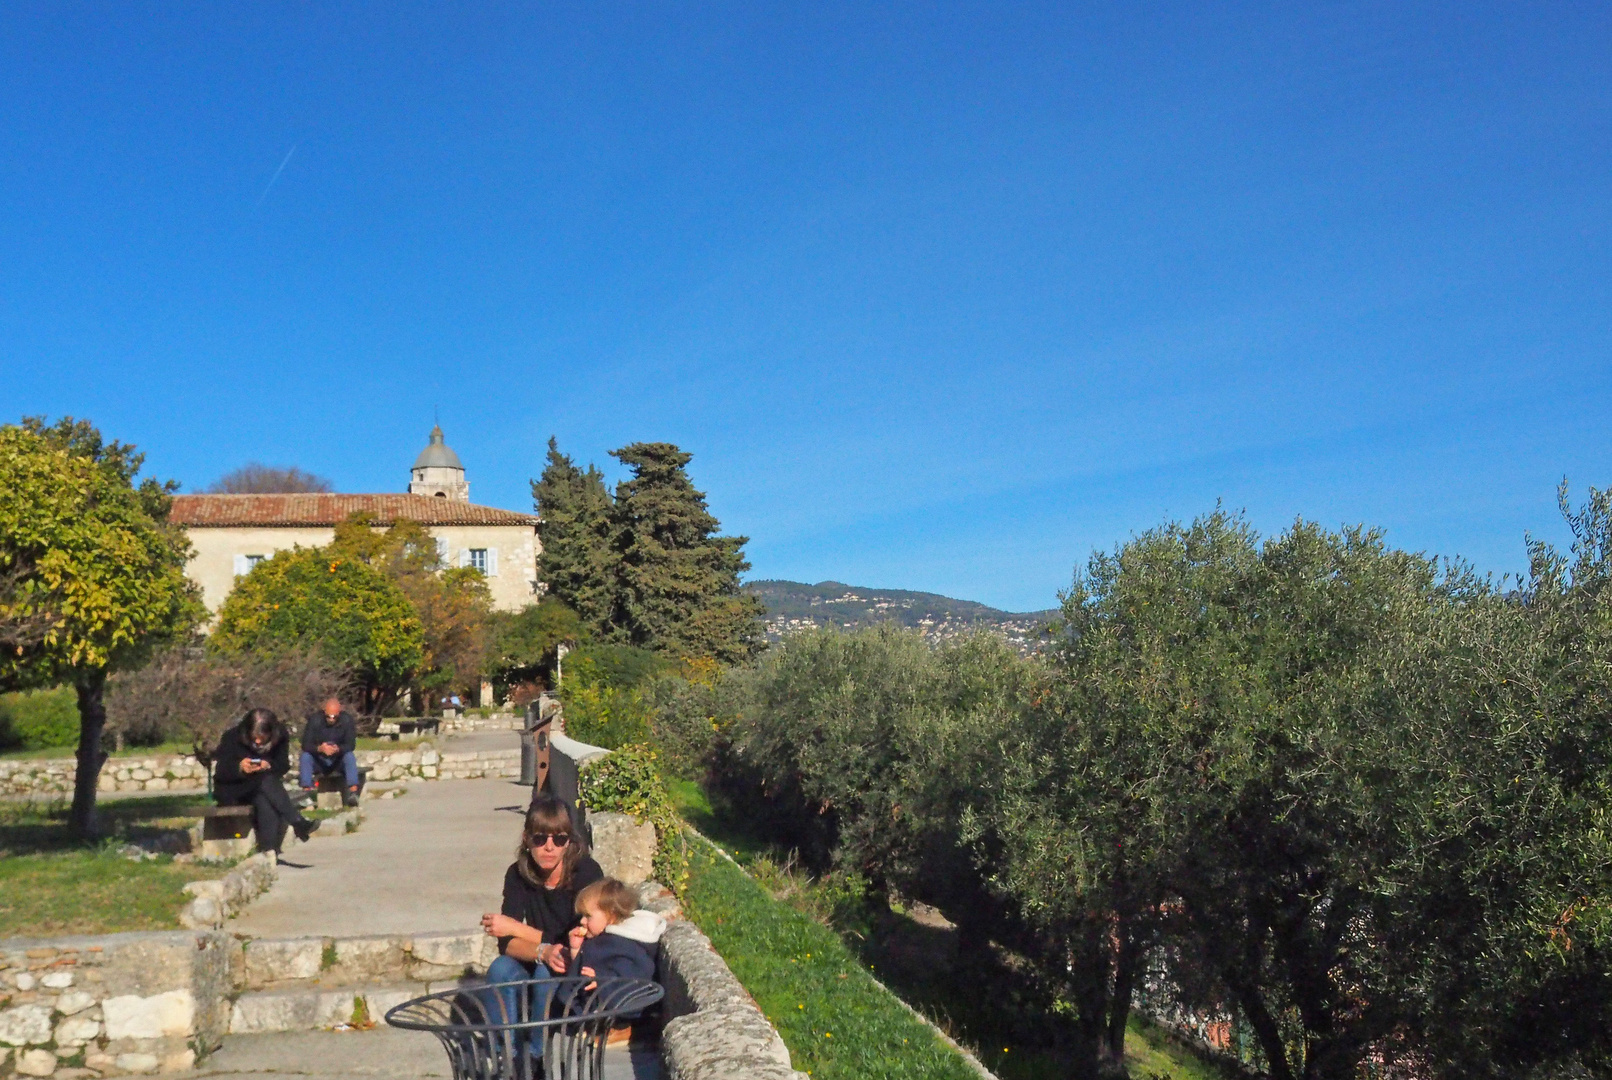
(437, 471)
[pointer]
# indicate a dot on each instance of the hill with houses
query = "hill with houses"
(795, 605)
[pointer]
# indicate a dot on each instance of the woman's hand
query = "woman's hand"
(500, 925)
(556, 960)
(251, 765)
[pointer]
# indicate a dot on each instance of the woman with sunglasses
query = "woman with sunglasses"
(539, 910)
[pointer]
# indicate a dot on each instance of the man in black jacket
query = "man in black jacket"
(328, 741)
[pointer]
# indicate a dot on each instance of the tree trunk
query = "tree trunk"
(1126, 967)
(91, 722)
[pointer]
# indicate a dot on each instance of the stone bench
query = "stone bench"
(226, 832)
(329, 787)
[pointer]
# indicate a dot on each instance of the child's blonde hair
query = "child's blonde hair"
(616, 900)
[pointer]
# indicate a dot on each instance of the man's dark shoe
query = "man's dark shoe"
(350, 797)
(305, 829)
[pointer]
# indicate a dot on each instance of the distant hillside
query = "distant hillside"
(794, 605)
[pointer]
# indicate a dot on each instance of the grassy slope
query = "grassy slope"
(835, 1019)
(51, 884)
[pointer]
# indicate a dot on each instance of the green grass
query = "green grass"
(384, 742)
(52, 884)
(1150, 1051)
(836, 1020)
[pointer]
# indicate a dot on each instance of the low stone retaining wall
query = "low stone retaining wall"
(714, 1029)
(212, 902)
(424, 761)
(129, 1003)
(183, 773)
(54, 776)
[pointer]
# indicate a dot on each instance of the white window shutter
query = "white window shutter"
(464, 556)
(492, 562)
(241, 565)
(442, 550)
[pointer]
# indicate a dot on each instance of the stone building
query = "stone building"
(232, 533)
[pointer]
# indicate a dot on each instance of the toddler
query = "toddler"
(616, 939)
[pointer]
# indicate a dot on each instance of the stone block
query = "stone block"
(328, 800)
(725, 1044)
(202, 913)
(25, 981)
(57, 980)
(36, 1063)
(446, 956)
(138, 1063)
(77, 1030)
(271, 960)
(229, 848)
(376, 959)
(267, 1012)
(25, 1025)
(624, 848)
(156, 1017)
(179, 1061)
(74, 1001)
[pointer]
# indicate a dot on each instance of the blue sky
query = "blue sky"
(939, 296)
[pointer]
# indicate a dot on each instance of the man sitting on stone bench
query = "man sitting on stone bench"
(328, 739)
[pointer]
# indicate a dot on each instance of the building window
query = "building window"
(478, 559)
(245, 563)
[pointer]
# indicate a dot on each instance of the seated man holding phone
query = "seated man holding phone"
(328, 741)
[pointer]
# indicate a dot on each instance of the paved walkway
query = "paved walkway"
(433, 859)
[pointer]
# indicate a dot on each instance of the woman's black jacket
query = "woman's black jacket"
(552, 911)
(231, 787)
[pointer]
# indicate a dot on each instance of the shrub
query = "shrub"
(629, 782)
(185, 694)
(602, 695)
(605, 716)
(39, 719)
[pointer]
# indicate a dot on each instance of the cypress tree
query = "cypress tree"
(577, 560)
(677, 581)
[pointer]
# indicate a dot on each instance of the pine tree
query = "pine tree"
(677, 582)
(577, 562)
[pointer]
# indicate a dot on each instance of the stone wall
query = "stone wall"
(714, 1029)
(130, 1003)
(424, 761)
(183, 773)
(54, 776)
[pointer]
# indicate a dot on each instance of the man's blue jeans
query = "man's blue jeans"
(312, 762)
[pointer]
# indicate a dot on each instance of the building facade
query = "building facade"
(232, 533)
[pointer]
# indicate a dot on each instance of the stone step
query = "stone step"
(261, 1012)
(335, 963)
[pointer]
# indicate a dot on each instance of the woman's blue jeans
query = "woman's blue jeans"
(505, 1007)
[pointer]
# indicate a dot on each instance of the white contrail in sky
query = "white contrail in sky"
(276, 176)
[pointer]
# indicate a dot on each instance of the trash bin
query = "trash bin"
(528, 757)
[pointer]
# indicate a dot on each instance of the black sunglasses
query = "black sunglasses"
(560, 839)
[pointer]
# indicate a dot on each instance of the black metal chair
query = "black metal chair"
(483, 1043)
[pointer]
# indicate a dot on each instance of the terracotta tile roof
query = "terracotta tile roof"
(232, 511)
